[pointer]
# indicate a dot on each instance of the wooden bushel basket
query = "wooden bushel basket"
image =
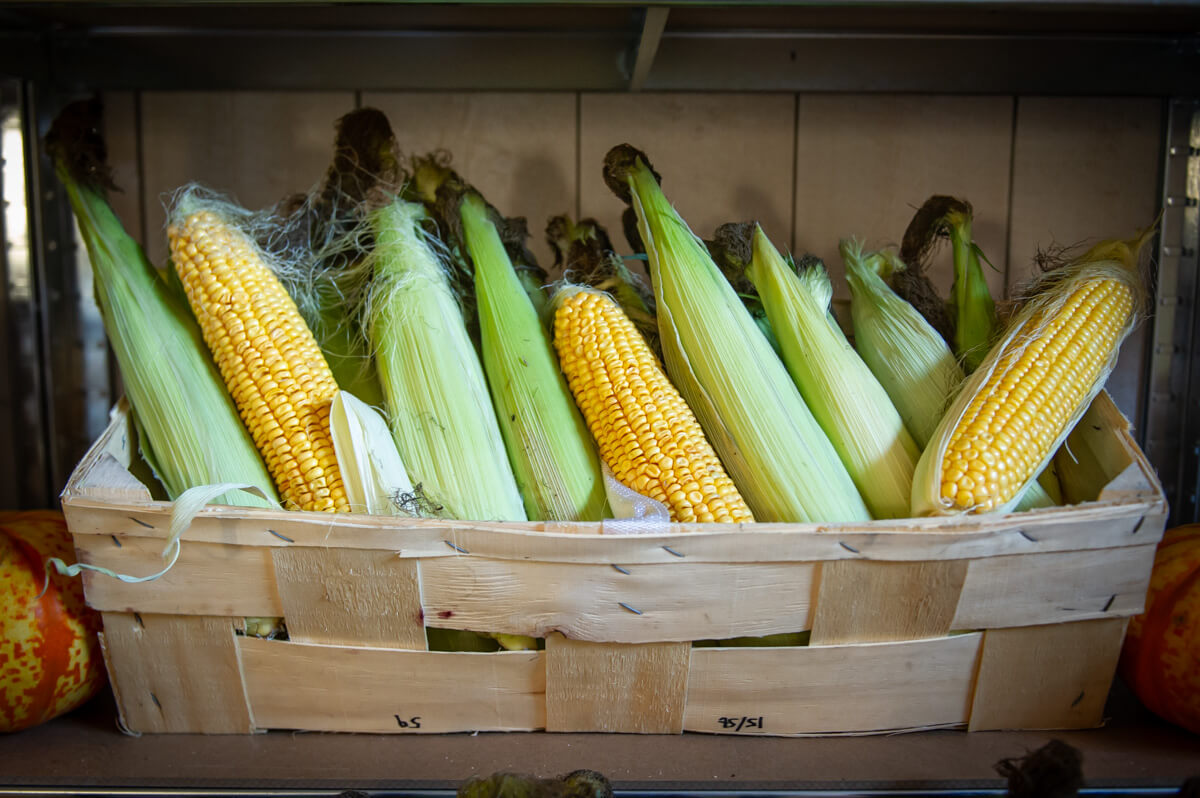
(987, 622)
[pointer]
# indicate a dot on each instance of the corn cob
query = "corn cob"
(848, 402)
(1039, 378)
(972, 312)
(904, 352)
(439, 411)
(556, 465)
(189, 430)
(646, 433)
(270, 362)
(552, 456)
(782, 463)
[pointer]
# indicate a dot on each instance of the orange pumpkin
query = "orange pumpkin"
(1161, 657)
(50, 658)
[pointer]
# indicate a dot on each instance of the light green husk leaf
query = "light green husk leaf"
(551, 451)
(783, 464)
(439, 411)
(189, 427)
(848, 402)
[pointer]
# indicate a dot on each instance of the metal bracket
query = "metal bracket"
(1172, 414)
(647, 46)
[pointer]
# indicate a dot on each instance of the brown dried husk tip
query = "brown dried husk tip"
(732, 249)
(77, 146)
(443, 190)
(365, 174)
(928, 227)
(584, 254)
(618, 163)
(583, 249)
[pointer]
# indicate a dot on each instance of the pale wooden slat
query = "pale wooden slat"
(826, 689)
(350, 597)
(112, 482)
(327, 688)
(1086, 169)
(722, 157)
(121, 141)
(208, 578)
(116, 442)
(615, 688)
(679, 601)
(176, 674)
(1100, 459)
(517, 148)
(1046, 677)
(870, 602)
(256, 146)
(1092, 526)
(866, 162)
(672, 602)
(1029, 589)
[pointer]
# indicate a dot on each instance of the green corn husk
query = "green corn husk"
(439, 411)
(746, 291)
(908, 356)
(972, 311)
(583, 253)
(551, 451)
(783, 464)
(904, 352)
(848, 402)
(190, 431)
(429, 173)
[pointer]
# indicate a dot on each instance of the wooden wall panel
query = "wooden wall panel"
(256, 146)
(723, 157)
(517, 148)
(865, 163)
(1086, 169)
(121, 138)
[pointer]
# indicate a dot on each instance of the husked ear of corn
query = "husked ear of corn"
(848, 402)
(439, 411)
(646, 433)
(270, 361)
(1038, 379)
(782, 463)
(190, 433)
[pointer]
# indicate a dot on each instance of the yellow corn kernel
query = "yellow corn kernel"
(266, 354)
(645, 432)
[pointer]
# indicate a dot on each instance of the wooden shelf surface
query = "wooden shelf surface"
(86, 750)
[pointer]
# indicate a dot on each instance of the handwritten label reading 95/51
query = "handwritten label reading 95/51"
(409, 723)
(740, 723)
